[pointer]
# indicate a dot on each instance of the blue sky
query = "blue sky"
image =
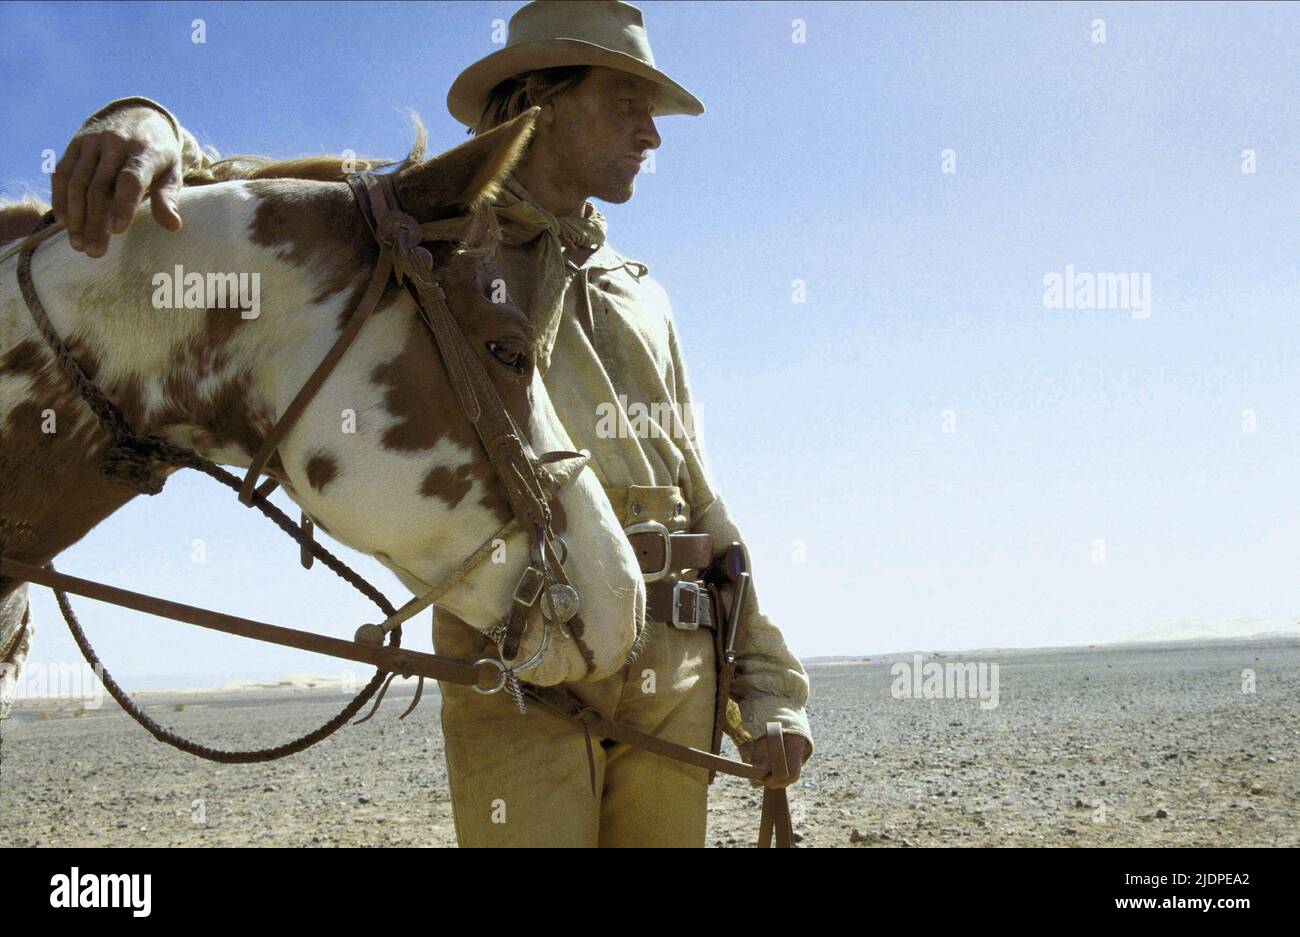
(872, 528)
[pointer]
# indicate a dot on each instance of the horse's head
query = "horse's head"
(383, 459)
(414, 486)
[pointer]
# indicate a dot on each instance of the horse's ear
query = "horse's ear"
(469, 175)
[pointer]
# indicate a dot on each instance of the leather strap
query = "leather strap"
(388, 658)
(570, 706)
(689, 551)
(374, 290)
(775, 818)
(732, 566)
(723, 646)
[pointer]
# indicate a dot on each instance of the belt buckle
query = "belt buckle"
(693, 623)
(658, 529)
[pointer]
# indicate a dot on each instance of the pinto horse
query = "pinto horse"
(383, 459)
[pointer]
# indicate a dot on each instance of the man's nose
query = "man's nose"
(647, 136)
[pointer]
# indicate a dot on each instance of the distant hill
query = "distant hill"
(1174, 630)
(1196, 629)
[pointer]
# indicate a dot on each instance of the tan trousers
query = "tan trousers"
(523, 780)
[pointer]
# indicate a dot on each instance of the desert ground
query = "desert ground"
(1133, 745)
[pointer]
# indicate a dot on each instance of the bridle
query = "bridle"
(402, 257)
(138, 460)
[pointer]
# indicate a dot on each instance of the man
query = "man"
(609, 353)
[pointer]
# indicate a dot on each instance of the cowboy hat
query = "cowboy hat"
(550, 33)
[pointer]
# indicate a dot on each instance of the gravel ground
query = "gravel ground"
(1141, 745)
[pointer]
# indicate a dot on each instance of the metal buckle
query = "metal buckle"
(686, 585)
(654, 527)
(529, 586)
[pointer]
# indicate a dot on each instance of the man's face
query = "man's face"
(599, 132)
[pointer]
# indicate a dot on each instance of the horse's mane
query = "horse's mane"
(317, 168)
(19, 217)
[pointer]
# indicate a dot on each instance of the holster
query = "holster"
(722, 572)
(726, 671)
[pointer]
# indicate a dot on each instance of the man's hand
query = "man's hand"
(106, 171)
(796, 750)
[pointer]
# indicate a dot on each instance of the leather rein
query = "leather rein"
(141, 461)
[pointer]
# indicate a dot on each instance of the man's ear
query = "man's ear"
(469, 175)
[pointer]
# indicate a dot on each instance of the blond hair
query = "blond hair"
(516, 94)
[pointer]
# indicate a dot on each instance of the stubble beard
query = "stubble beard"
(615, 186)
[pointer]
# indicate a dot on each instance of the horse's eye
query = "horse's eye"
(512, 358)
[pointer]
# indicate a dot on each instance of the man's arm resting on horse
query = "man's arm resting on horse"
(127, 149)
(193, 155)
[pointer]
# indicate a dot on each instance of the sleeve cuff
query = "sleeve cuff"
(757, 712)
(123, 103)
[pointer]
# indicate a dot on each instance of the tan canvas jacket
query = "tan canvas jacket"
(617, 347)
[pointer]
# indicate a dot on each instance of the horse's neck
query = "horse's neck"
(199, 376)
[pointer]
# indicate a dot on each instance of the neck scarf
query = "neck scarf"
(522, 221)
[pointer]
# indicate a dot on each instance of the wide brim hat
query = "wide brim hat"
(552, 33)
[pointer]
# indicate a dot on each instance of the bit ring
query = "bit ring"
(501, 676)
